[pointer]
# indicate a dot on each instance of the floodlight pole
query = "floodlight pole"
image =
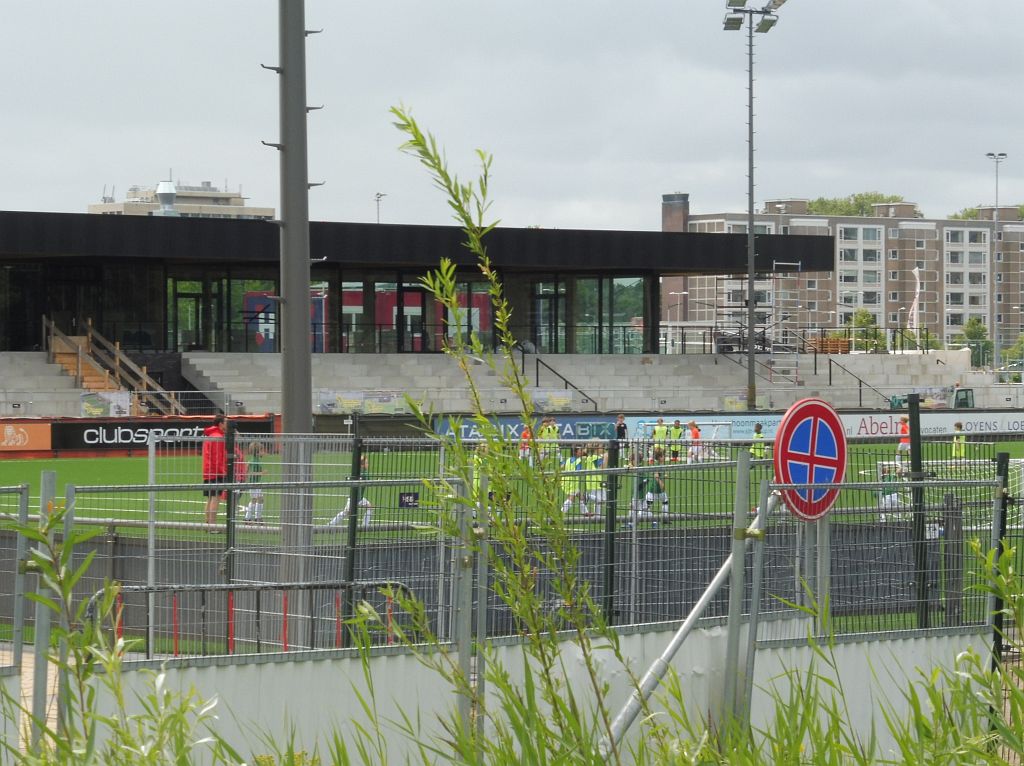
(296, 359)
(767, 21)
(996, 158)
(751, 254)
(296, 363)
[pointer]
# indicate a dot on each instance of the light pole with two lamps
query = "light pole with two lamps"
(767, 19)
(996, 158)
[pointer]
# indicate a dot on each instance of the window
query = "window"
(955, 257)
(870, 256)
(871, 234)
(737, 228)
(846, 317)
(894, 296)
(849, 299)
(976, 258)
(977, 237)
(870, 298)
(894, 275)
(812, 284)
(999, 277)
(894, 233)
(848, 255)
(954, 319)
(894, 318)
(954, 277)
(812, 305)
(977, 300)
(848, 233)
(871, 277)
(954, 299)
(846, 276)
(919, 264)
(954, 235)
(761, 228)
(785, 230)
(979, 317)
(976, 278)
(894, 255)
(919, 244)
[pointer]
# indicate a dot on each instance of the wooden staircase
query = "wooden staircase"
(98, 365)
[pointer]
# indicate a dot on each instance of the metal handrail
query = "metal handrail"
(568, 383)
(860, 381)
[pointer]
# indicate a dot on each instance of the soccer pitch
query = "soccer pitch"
(707, 490)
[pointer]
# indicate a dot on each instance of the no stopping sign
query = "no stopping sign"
(810, 448)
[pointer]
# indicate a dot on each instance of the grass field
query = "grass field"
(708, 491)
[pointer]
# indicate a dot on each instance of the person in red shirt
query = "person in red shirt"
(215, 465)
(903, 448)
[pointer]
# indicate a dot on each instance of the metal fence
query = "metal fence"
(652, 524)
(13, 505)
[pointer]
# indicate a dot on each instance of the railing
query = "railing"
(185, 638)
(52, 337)
(861, 383)
(125, 371)
(566, 382)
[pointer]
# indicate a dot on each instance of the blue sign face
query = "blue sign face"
(813, 455)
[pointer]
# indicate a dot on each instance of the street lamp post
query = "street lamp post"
(678, 305)
(733, 22)
(996, 158)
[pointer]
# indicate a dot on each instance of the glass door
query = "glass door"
(549, 317)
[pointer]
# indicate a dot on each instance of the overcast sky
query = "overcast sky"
(592, 110)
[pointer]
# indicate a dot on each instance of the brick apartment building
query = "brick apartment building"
(964, 269)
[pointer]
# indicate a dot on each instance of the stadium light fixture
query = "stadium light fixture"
(734, 21)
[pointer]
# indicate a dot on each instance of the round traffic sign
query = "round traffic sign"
(810, 448)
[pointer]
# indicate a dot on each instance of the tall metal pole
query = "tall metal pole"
(751, 376)
(296, 364)
(296, 361)
(996, 157)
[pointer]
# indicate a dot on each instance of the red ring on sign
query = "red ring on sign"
(810, 448)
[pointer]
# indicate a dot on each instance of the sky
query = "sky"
(591, 110)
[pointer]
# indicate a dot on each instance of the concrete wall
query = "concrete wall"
(317, 694)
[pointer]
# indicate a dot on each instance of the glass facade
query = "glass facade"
(177, 307)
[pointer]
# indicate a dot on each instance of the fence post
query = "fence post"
(18, 631)
(917, 526)
(463, 603)
(482, 612)
(63, 685)
(151, 546)
(824, 569)
(766, 504)
(610, 510)
(352, 528)
(740, 514)
(41, 660)
(1002, 472)
(229, 538)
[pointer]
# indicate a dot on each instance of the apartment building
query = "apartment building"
(184, 201)
(907, 271)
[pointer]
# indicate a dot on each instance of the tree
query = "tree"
(975, 337)
(967, 214)
(856, 204)
(866, 335)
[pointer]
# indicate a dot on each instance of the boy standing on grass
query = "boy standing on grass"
(654, 484)
(254, 508)
(215, 465)
(903, 448)
(572, 484)
(959, 441)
